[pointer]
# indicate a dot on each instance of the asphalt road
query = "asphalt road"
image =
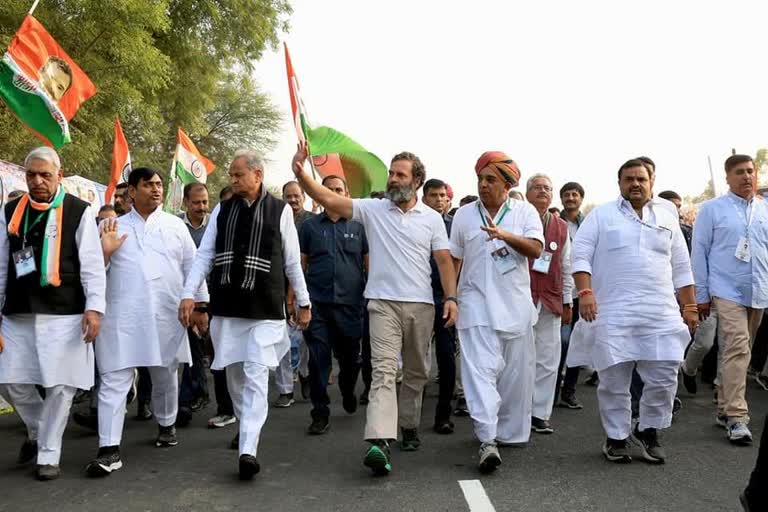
(564, 471)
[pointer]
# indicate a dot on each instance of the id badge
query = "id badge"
(24, 260)
(503, 259)
(542, 263)
(742, 250)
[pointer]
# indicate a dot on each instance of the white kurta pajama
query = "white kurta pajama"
(48, 350)
(496, 315)
(636, 266)
(145, 280)
(248, 348)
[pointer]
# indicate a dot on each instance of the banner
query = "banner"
(13, 177)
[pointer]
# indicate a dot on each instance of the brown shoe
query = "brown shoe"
(48, 472)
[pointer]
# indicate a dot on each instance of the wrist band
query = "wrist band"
(453, 299)
(585, 291)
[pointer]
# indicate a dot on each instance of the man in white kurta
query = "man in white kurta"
(145, 278)
(47, 329)
(248, 346)
(497, 312)
(629, 257)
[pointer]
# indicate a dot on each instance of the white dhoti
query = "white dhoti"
(546, 335)
(497, 370)
(660, 385)
(49, 351)
(248, 349)
(45, 419)
(113, 393)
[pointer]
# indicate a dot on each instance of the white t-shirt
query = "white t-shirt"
(488, 297)
(400, 244)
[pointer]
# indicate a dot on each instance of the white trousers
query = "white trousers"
(703, 340)
(660, 385)
(497, 370)
(546, 334)
(248, 383)
(113, 392)
(45, 419)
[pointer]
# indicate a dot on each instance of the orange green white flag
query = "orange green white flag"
(121, 162)
(41, 84)
(189, 165)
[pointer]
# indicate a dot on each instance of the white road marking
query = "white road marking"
(476, 497)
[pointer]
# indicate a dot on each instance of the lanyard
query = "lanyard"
(27, 227)
(747, 221)
(500, 215)
(642, 222)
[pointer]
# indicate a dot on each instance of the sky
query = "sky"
(571, 89)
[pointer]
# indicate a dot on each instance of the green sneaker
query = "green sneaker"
(377, 458)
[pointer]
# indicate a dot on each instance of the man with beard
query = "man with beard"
(571, 196)
(122, 199)
(730, 264)
(551, 287)
(140, 326)
(402, 234)
(629, 257)
(249, 248)
(491, 240)
(52, 290)
(294, 196)
(436, 197)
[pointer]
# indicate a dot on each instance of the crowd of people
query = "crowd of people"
(512, 297)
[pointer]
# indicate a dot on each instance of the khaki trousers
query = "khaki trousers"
(737, 326)
(397, 327)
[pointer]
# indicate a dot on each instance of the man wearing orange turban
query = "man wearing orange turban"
(501, 165)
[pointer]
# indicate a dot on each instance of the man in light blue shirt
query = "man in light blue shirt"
(730, 267)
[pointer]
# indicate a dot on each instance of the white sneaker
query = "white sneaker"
(220, 421)
(738, 433)
(489, 458)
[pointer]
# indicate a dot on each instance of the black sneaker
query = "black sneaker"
(648, 442)
(284, 401)
(88, 420)
(248, 466)
(690, 384)
(377, 458)
(107, 460)
(617, 450)
(541, 426)
(318, 426)
(461, 407)
(569, 402)
(444, 427)
(28, 452)
(593, 380)
(184, 416)
(166, 437)
(349, 403)
(305, 389)
(410, 441)
(143, 412)
(364, 397)
(199, 403)
(234, 444)
(47, 472)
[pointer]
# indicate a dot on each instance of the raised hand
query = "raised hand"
(110, 242)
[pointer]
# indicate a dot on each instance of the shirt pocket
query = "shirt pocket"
(660, 240)
(353, 244)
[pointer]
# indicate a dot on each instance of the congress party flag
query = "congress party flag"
(41, 84)
(121, 162)
(189, 166)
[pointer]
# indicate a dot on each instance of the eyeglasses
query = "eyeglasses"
(542, 188)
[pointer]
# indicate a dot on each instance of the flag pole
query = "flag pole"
(712, 175)
(34, 6)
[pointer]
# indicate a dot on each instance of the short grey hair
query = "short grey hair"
(43, 153)
(538, 175)
(253, 159)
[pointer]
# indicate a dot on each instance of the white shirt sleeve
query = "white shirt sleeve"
(92, 274)
(188, 251)
(566, 270)
(439, 234)
(292, 257)
(204, 257)
(681, 262)
(584, 244)
(4, 256)
(360, 209)
(532, 226)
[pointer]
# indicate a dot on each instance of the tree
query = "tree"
(707, 194)
(158, 64)
(761, 164)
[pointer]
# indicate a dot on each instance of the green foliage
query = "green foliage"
(158, 64)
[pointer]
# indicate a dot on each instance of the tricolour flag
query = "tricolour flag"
(331, 151)
(121, 162)
(41, 84)
(189, 165)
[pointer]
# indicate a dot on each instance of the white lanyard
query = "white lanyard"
(750, 207)
(642, 222)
